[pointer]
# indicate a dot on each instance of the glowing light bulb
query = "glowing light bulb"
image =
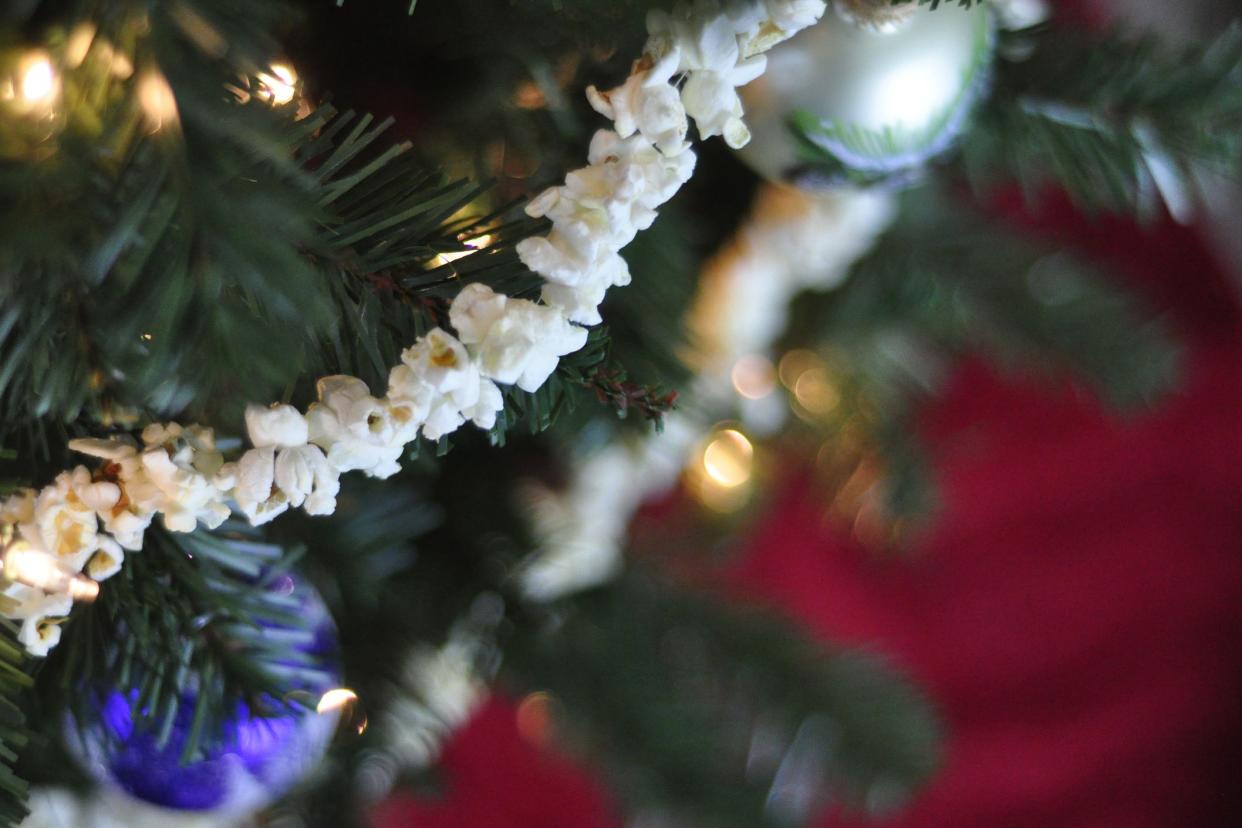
(37, 82)
(36, 568)
(344, 702)
(722, 470)
(728, 458)
(336, 699)
(474, 244)
(157, 99)
(279, 85)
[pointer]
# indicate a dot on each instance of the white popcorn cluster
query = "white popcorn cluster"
(84, 520)
(642, 162)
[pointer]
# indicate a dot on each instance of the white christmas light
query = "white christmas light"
(24, 564)
(279, 85)
(452, 256)
(728, 458)
(38, 81)
(156, 98)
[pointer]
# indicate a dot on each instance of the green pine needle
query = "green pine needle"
(1122, 123)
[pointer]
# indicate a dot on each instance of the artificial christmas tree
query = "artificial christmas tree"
(453, 395)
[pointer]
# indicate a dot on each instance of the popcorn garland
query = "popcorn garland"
(791, 241)
(85, 519)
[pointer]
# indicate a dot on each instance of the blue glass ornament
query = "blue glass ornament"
(257, 756)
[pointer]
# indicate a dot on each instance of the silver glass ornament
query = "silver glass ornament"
(842, 103)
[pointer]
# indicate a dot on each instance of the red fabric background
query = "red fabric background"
(1075, 614)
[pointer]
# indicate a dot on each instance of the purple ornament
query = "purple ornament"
(254, 759)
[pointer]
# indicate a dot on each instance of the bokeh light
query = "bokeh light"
(345, 702)
(536, 718)
(815, 392)
(728, 458)
(754, 377)
(721, 473)
(33, 567)
(38, 81)
(794, 363)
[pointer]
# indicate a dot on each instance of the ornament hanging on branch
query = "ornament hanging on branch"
(252, 756)
(869, 94)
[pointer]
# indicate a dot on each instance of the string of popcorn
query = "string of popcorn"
(86, 519)
(792, 241)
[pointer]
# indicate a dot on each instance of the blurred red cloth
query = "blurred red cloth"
(495, 779)
(1075, 615)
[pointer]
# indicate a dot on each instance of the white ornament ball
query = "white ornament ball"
(845, 104)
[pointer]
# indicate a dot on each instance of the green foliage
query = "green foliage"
(940, 284)
(594, 371)
(238, 272)
(482, 54)
(402, 564)
(234, 254)
(613, 387)
(646, 319)
(576, 6)
(656, 682)
(693, 707)
(389, 221)
(366, 561)
(15, 733)
(153, 263)
(559, 396)
(972, 286)
(1120, 122)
